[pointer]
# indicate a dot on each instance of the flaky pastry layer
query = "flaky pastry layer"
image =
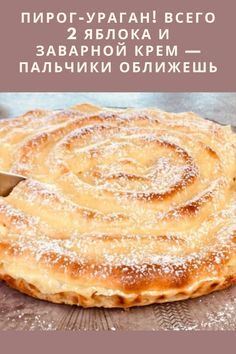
(120, 207)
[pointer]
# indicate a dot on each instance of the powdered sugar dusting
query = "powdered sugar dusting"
(149, 194)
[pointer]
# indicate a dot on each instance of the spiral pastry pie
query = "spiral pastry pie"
(120, 207)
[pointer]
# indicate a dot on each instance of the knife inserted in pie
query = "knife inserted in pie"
(119, 208)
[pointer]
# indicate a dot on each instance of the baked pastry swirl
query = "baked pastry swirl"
(120, 208)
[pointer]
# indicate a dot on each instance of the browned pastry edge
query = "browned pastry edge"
(161, 290)
(114, 301)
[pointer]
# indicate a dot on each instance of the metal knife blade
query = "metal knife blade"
(8, 181)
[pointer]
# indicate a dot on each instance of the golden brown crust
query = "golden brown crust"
(115, 301)
(122, 207)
